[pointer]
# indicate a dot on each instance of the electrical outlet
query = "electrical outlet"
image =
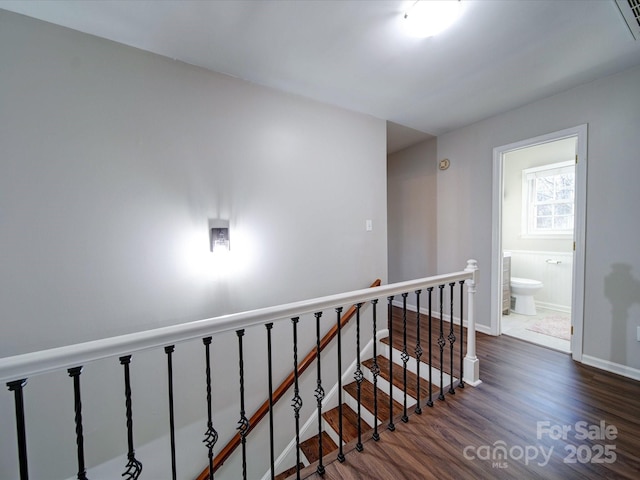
(638, 334)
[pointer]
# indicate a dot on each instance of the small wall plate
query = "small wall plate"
(444, 164)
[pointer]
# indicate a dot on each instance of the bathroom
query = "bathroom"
(537, 241)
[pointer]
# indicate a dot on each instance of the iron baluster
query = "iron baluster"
(418, 352)
(441, 344)
(243, 423)
(430, 400)
(297, 401)
(359, 377)
(172, 430)
(77, 402)
(338, 321)
(375, 371)
(133, 467)
(211, 435)
(16, 387)
(269, 326)
(319, 394)
(404, 356)
(391, 426)
(452, 339)
(461, 382)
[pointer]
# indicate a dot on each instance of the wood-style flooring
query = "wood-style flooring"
(527, 420)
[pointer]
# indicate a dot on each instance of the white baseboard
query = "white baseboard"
(612, 367)
(553, 306)
(479, 327)
(606, 365)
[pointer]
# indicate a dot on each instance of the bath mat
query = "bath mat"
(558, 326)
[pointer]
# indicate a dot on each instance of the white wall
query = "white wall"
(611, 108)
(112, 161)
(529, 254)
(412, 207)
(553, 269)
(514, 163)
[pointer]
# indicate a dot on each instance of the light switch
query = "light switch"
(369, 225)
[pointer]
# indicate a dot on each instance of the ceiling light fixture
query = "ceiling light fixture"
(426, 18)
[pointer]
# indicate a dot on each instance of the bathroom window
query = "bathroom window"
(548, 195)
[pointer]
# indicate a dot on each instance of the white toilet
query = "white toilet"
(522, 292)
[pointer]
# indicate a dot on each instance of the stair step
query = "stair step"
(398, 378)
(310, 447)
(349, 422)
(424, 329)
(287, 473)
(366, 399)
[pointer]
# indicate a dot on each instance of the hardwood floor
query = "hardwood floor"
(528, 394)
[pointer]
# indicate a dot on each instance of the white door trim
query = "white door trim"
(577, 297)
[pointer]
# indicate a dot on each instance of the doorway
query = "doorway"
(538, 237)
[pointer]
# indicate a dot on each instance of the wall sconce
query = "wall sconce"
(219, 235)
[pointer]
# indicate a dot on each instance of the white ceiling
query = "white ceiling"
(354, 53)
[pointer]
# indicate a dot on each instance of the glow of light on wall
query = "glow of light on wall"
(200, 263)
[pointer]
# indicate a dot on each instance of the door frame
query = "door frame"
(577, 294)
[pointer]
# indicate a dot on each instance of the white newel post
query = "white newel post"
(471, 363)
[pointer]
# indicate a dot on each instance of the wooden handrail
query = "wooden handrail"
(279, 392)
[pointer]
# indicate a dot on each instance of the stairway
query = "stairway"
(330, 436)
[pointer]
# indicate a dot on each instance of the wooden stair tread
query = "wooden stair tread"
(424, 340)
(287, 473)
(310, 447)
(366, 399)
(398, 378)
(349, 422)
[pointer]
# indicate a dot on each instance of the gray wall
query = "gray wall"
(112, 161)
(611, 108)
(412, 208)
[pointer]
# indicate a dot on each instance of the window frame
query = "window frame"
(528, 224)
